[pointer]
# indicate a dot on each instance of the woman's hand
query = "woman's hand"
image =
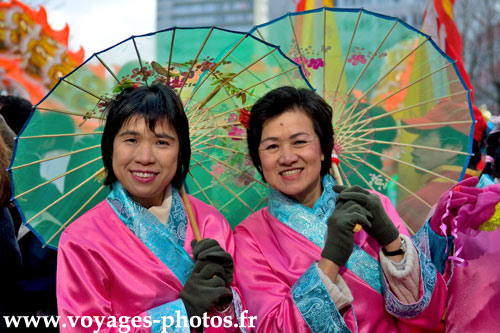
(209, 250)
(208, 284)
(381, 227)
(339, 239)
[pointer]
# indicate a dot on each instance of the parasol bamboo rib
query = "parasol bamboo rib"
(386, 74)
(365, 110)
(107, 68)
(212, 185)
(391, 70)
(100, 98)
(368, 151)
(457, 122)
(206, 138)
(225, 186)
(229, 166)
(344, 64)
(347, 148)
(298, 47)
(324, 53)
(69, 113)
(65, 195)
(276, 58)
(354, 157)
(139, 59)
(350, 166)
(204, 101)
(75, 214)
(345, 123)
(252, 86)
(201, 189)
(57, 135)
(219, 147)
(218, 115)
(194, 61)
(342, 173)
(205, 189)
(386, 114)
(170, 55)
(54, 157)
(205, 111)
(363, 71)
(191, 217)
(245, 188)
(215, 67)
(336, 175)
(57, 177)
(207, 127)
(369, 141)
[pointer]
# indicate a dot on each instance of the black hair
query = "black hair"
(15, 110)
(476, 155)
(493, 150)
(154, 103)
(284, 99)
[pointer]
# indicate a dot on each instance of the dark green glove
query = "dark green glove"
(339, 238)
(204, 288)
(209, 250)
(382, 228)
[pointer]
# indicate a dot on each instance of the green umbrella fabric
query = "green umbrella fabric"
(57, 171)
(402, 116)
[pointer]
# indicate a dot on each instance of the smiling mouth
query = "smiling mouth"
(292, 172)
(143, 174)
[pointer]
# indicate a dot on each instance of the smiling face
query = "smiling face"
(145, 162)
(291, 156)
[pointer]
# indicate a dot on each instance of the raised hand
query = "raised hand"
(339, 240)
(381, 226)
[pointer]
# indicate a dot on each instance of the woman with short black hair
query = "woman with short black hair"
(134, 254)
(305, 269)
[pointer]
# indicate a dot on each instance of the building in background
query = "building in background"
(238, 15)
(410, 11)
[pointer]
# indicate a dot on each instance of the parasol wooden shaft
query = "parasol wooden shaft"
(189, 211)
(338, 180)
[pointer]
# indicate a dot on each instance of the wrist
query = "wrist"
(394, 250)
(328, 267)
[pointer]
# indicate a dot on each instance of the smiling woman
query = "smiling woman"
(136, 247)
(309, 270)
(145, 161)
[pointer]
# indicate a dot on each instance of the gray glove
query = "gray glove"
(339, 240)
(209, 250)
(208, 284)
(382, 228)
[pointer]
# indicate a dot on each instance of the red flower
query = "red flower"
(244, 117)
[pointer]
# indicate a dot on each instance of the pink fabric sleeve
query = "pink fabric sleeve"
(431, 316)
(82, 290)
(266, 295)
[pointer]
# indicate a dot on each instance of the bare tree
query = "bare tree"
(479, 25)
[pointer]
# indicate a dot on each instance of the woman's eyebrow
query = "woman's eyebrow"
(165, 136)
(293, 136)
(128, 133)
